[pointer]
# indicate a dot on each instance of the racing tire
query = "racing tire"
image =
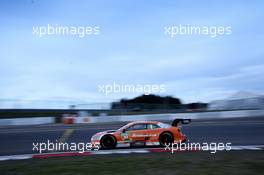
(108, 142)
(166, 138)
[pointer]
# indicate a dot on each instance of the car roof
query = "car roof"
(144, 122)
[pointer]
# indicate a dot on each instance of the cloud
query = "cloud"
(132, 48)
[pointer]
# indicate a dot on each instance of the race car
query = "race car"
(141, 133)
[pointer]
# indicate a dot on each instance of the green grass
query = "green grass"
(235, 162)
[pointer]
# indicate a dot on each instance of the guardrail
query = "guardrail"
(27, 121)
(85, 118)
(164, 117)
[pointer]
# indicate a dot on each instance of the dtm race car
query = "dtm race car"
(141, 133)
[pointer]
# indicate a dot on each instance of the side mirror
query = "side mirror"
(124, 130)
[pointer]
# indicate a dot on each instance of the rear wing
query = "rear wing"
(176, 122)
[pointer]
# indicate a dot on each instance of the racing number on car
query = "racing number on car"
(124, 136)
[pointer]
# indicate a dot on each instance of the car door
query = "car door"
(153, 131)
(137, 132)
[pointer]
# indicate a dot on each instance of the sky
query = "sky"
(130, 49)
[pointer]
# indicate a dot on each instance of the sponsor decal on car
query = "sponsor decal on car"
(144, 135)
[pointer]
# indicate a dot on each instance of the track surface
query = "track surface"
(239, 131)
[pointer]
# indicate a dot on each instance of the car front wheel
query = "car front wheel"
(108, 142)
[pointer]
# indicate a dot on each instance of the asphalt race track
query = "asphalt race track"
(16, 140)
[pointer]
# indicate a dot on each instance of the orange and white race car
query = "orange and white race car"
(141, 133)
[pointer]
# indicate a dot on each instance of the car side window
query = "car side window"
(153, 126)
(137, 127)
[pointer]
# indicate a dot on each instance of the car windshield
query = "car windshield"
(163, 125)
(124, 127)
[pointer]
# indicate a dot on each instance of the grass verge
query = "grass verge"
(184, 163)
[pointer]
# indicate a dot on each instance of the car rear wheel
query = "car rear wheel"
(108, 142)
(166, 138)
